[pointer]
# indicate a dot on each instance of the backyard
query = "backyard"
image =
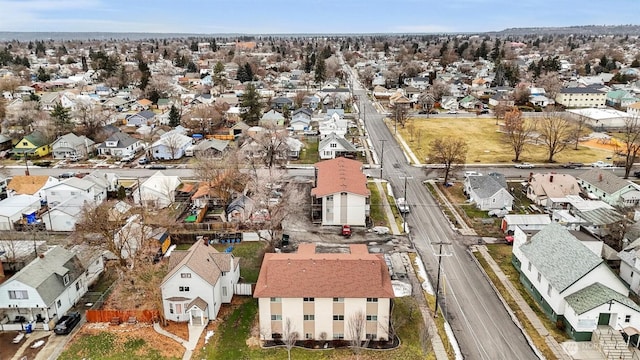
(486, 144)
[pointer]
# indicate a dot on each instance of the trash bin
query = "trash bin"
(28, 329)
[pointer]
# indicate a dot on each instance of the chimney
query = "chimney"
(551, 178)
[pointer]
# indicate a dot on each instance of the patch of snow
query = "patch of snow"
(422, 273)
(37, 344)
(208, 335)
(401, 289)
(452, 340)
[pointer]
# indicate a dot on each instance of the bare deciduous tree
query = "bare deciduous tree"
(450, 152)
(630, 134)
(517, 131)
(578, 130)
(357, 330)
(289, 336)
(555, 133)
(222, 176)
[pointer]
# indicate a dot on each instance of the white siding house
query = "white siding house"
(488, 192)
(199, 281)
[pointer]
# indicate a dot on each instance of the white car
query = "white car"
(452, 112)
(525, 165)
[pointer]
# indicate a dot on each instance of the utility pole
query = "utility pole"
(382, 157)
(406, 203)
(439, 255)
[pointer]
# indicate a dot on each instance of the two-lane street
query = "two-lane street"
(482, 327)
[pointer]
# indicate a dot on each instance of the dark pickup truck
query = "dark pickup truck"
(67, 323)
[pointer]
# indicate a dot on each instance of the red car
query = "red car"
(346, 230)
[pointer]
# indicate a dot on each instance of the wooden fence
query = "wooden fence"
(123, 316)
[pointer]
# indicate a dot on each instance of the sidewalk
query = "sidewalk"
(190, 345)
(555, 347)
(463, 228)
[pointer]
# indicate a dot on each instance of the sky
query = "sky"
(308, 16)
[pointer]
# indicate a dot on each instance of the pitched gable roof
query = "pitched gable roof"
(123, 140)
(606, 181)
(340, 175)
(309, 274)
(333, 137)
(559, 256)
(46, 274)
(486, 186)
(203, 260)
(595, 295)
(37, 138)
(554, 185)
(27, 184)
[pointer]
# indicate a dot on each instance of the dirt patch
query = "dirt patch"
(7, 347)
(181, 330)
(603, 144)
(30, 353)
(165, 346)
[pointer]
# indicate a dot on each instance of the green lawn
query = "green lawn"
(376, 210)
(229, 342)
(486, 144)
(250, 255)
(104, 346)
(309, 154)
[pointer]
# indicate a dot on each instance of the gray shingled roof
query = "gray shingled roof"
(606, 181)
(559, 256)
(342, 141)
(46, 274)
(486, 186)
(124, 140)
(595, 295)
(203, 260)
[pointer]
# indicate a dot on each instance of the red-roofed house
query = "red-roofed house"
(199, 281)
(303, 287)
(341, 195)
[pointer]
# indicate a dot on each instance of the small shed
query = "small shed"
(525, 222)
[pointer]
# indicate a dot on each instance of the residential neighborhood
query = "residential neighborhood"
(417, 196)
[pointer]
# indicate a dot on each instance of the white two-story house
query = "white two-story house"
(341, 195)
(45, 289)
(199, 281)
(572, 284)
(120, 145)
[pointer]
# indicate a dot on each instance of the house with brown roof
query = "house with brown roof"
(543, 187)
(30, 185)
(341, 195)
(303, 288)
(199, 281)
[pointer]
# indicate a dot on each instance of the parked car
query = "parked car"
(601, 164)
(524, 165)
(403, 207)
(572, 165)
(452, 112)
(66, 323)
(128, 158)
(67, 175)
(157, 167)
(636, 174)
(143, 161)
(346, 230)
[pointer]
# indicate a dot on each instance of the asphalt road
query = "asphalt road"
(480, 323)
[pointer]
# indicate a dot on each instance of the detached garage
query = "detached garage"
(13, 208)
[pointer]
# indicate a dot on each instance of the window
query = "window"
(338, 317)
(627, 318)
(333, 145)
(549, 290)
(53, 193)
(372, 317)
(275, 299)
(339, 300)
(529, 266)
(185, 275)
(539, 277)
(59, 303)
(309, 299)
(309, 317)
(330, 198)
(65, 279)
(338, 336)
(275, 317)
(224, 291)
(184, 288)
(18, 294)
(308, 336)
(170, 308)
(631, 273)
(372, 300)
(371, 336)
(78, 285)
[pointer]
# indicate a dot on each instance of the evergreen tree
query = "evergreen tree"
(62, 119)
(587, 68)
(85, 67)
(174, 116)
(248, 71)
(320, 71)
(191, 67)
(635, 63)
(250, 101)
(43, 75)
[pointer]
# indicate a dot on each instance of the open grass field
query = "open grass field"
(486, 144)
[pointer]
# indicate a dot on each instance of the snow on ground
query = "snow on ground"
(401, 289)
(422, 274)
(452, 340)
(208, 335)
